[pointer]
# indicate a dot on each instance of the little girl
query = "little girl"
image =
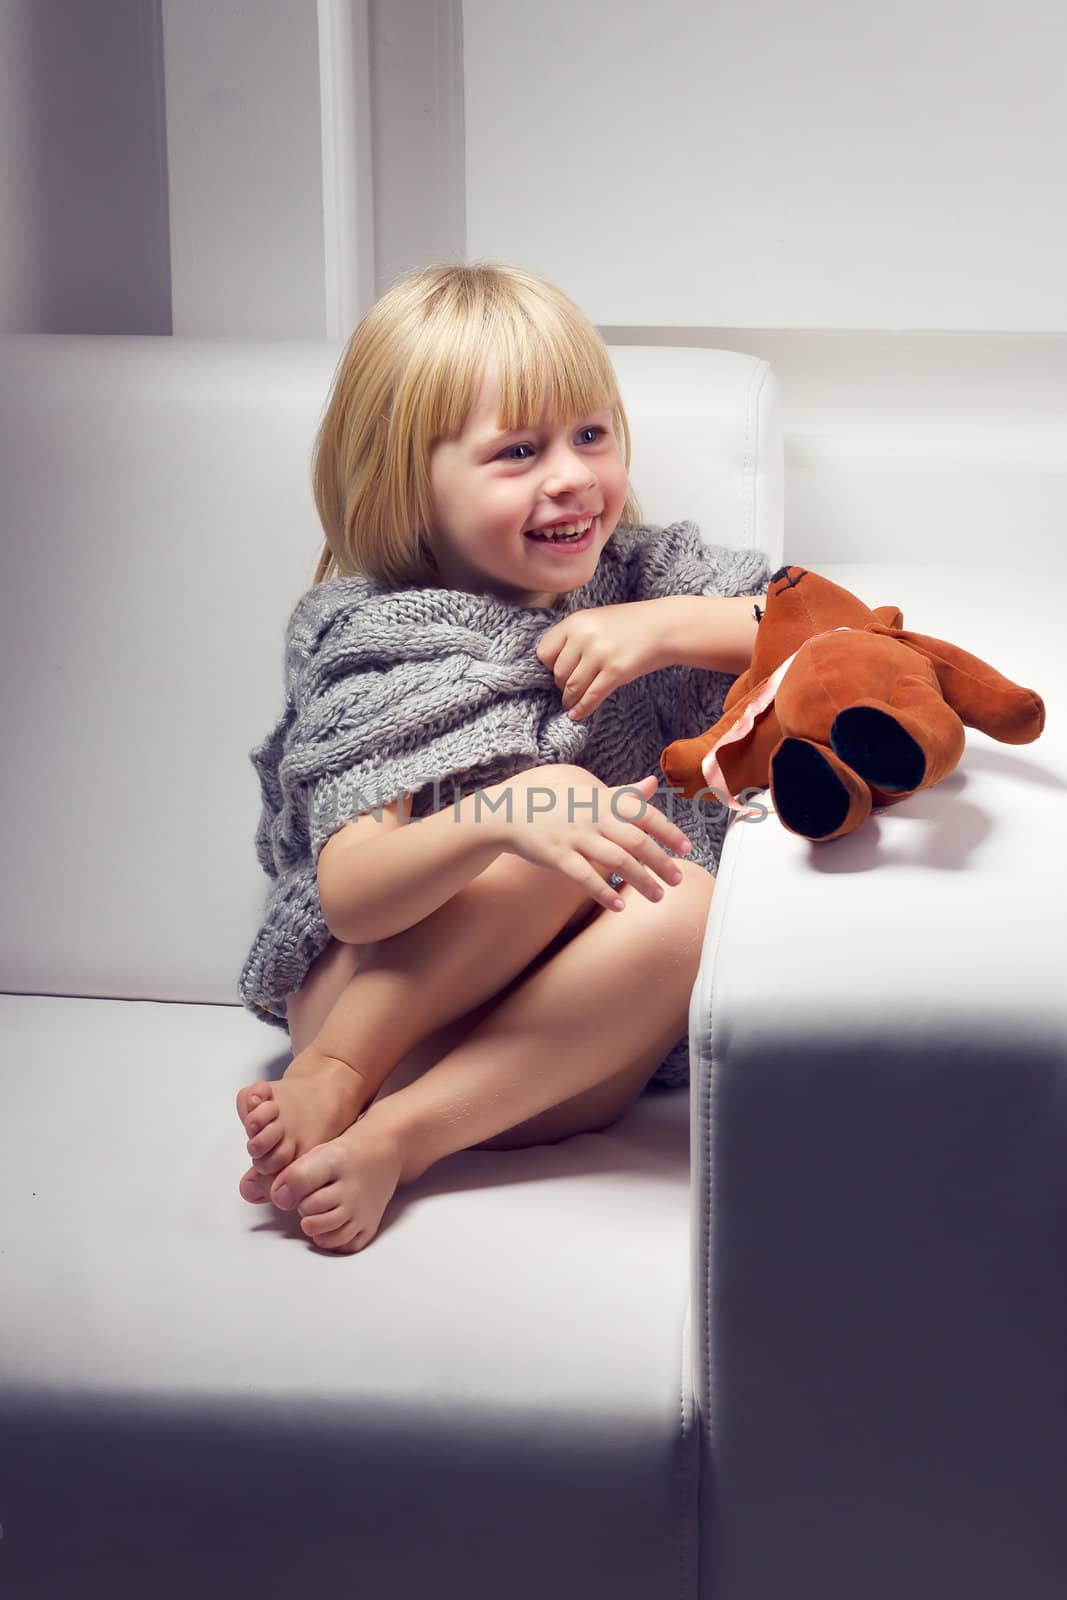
(490, 612)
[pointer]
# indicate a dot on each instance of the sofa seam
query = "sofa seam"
(708, 1154)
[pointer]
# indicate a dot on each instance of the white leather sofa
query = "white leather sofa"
(798, 1331)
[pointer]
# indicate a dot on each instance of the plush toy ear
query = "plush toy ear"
(890, 616)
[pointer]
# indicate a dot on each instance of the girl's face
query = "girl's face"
(490, 487)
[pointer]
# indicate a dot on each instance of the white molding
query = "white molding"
(420, 172)
(244, 165)
(451, 127)
(347, 163)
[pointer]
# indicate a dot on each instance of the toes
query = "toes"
(276, 1160)
(253, 1189)
(315, 1168)
(325, 1222)
(319, 1201)
(259, 1118)
(252, 1095)
(265, 1141)
(350, 1237)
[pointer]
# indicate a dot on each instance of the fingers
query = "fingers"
(667, 868)
(578, 868)
(636, 850)
(654, 822)
(632, 855)
(643, 877)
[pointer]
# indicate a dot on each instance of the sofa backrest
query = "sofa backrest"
(158, 528)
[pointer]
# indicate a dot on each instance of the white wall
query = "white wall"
(774, 165)
(867, 197)
(315, 153)
(416, 49)
(84, 242)
(677, 166)
(810, 184)
(267, 165)
(245, 163)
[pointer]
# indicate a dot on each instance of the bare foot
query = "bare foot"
(317, 1098)
(341, 1189)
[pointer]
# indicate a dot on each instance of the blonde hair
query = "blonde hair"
(410, 375)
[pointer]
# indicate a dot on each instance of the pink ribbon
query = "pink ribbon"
(747, 721)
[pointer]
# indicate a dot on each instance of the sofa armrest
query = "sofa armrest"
(878, 1037)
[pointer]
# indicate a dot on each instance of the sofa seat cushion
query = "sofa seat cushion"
(493, 1392)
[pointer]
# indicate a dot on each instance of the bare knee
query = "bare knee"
(697, 879)
(555, 776)
(540, 790)
(562, 770)
(696, 888)
(686, 906)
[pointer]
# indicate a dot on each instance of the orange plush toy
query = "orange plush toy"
(842, 709)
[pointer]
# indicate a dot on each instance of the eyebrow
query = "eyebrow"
(506, 433)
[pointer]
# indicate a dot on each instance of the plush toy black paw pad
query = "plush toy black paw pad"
(875, 745)
(809, 797)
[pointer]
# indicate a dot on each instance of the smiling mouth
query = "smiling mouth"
(568, 533)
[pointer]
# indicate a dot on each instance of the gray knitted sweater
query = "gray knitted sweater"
(438, 692)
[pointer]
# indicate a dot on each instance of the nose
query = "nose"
(567, 470)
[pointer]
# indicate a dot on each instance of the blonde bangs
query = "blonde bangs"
(547, 357)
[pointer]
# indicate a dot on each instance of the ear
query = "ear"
(890, 616)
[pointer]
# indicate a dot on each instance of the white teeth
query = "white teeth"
(568, 530)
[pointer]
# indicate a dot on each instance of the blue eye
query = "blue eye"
(593, 428)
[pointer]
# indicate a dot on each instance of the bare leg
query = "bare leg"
(377, 1017)
(568, 1049)
(403, 989)
(468, 950)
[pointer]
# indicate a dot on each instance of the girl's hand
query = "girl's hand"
(597, 842)
(593, 652)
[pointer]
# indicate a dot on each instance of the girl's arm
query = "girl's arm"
(374, 885)
(704, 631)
